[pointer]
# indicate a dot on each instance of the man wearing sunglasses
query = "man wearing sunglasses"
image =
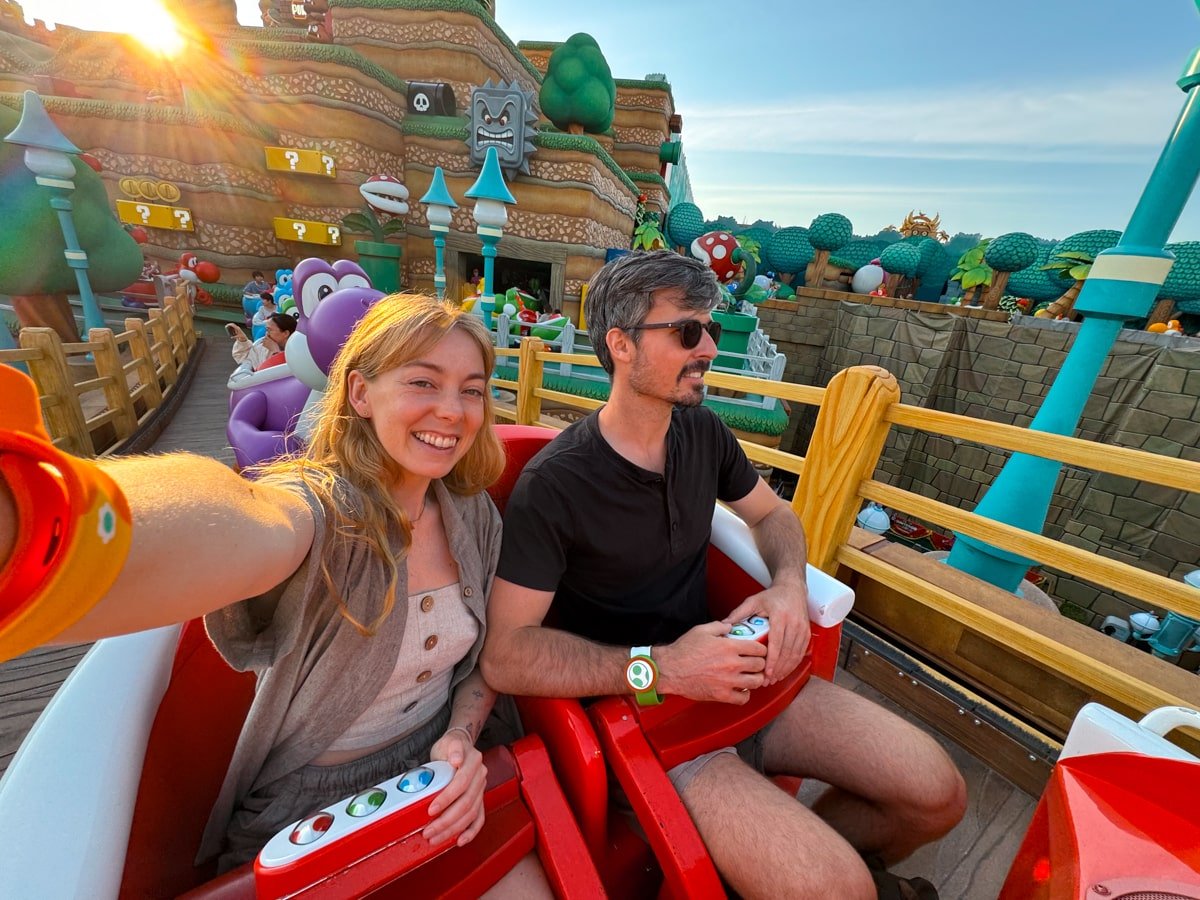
(611, 523)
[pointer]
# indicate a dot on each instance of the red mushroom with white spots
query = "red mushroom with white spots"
(716, 249)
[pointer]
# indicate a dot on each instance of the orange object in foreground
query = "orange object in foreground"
(73, 526)
(1112, 825)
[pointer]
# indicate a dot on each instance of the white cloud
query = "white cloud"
(1119, 122)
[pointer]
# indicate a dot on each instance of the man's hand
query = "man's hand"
(706, 665)
(786, 605)
(458, 809)
(235, 332)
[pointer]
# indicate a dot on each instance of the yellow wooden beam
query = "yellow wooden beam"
(1139, 465)
(1056, 657)
(1110, 574)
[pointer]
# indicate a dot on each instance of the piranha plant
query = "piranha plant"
(379, 259)
(368, 222)
(647, 234)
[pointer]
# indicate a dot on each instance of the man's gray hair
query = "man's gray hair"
(619, 295)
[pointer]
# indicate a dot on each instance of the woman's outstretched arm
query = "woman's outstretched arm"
(202, 538)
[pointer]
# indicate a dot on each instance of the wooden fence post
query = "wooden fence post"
(116, 388)
(162, 347)
(844, 450)
(529, 379)
(187, 322)
(175, 330)
(139, 348)
(63, 415)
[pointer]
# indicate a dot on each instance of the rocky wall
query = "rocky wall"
(434, 44)
(1146, 397)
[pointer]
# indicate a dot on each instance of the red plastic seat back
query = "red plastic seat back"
(190, 745)
(521, 444)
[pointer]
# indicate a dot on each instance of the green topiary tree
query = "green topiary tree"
(1008, 253)
(900, 260)
(33, 268)
(754, 240)
(1182, 286)
(1035, 282)
(972, 272)
(788, 251)
(827, 232)
(933, 258)
(1072, 259)
(685, 223)
(578, 93)
(858, 253)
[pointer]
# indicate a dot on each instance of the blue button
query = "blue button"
(416, 780)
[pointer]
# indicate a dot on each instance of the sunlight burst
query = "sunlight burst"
(146, 20)
(155, 28)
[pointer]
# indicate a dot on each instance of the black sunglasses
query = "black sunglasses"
(689, 330)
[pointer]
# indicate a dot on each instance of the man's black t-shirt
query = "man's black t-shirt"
(624, 548)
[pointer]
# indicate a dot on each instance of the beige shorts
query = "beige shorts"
(751, 751)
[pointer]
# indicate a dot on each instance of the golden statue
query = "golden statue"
(920, 225)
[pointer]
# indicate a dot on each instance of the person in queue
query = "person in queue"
(611, 522)
(373, 556)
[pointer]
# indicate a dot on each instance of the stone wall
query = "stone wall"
(1146, 397)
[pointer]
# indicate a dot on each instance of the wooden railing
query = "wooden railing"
(856, 412)
(136, 372)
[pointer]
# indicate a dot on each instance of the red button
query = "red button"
(312, 828)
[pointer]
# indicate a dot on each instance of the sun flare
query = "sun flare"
(157, 29)
(146, 20)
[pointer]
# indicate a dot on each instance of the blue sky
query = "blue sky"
(1037, 116)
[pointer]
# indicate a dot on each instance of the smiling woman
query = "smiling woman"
(147, 20)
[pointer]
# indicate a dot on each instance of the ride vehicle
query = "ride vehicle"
(158, 713)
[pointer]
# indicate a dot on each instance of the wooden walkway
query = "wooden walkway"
(968, 864)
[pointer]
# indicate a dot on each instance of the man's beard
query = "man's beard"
(686, 394)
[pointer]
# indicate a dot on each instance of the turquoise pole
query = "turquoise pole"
(1123, 284)
(439, 274)
(78, 261)
(487, 300)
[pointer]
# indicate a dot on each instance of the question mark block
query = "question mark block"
(304, 162)
(306, 231)
(155, 215)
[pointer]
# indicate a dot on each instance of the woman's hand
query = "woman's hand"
(458, 809)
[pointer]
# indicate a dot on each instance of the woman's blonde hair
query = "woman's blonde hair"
(344, 448)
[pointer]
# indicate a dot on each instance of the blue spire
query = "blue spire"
(490, 183)
(37, 130)
(438, 193)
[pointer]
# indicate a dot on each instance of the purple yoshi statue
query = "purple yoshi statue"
(267, 408)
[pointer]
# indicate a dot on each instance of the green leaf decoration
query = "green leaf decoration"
(357, 222)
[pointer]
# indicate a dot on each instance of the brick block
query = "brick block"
(1111, 605)
(1136, 511)
(1161, 445)
(1053, 358)
(1076, 591)
(1144, 422)
(1032, 372)
(1027, 353)
(1169, 379)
